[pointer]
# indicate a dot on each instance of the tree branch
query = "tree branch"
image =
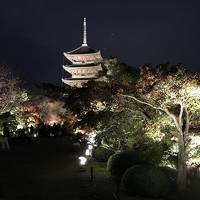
(172, 116)
(187, 121)
(181, 114)
(143, 102)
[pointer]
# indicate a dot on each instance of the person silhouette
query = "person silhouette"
(6, 134)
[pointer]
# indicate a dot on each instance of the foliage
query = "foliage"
(171, 175)
(48, 111)
(97, 106)
(12, 94)
(120, 132)
(53, 92)
(120, 72)
(119, 162)
(8, 118)
(145, 180)
(101, 154)
(175, 92)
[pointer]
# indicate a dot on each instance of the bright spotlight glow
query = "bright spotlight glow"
(87, 152)
(90, 147)
(83, 160)
(34, 135)
(194, 91)
(19, 126)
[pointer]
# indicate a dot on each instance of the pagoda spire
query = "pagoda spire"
(84, 32)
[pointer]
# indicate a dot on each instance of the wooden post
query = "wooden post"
(91, 174)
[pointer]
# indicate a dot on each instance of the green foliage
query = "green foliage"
(150, 153)
(171, 175)
(101, 154)
(9, 119)
(145, 180)
(97, 106)
(119, 162)
(169, 160)
(120, 72)
(53, 91)
(174, 92)
(196, 153)
(121, 129)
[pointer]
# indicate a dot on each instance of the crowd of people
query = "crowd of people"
(28, 133)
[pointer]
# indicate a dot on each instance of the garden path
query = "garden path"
(47, 170)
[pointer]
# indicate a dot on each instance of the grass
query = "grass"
(101, 184)
(47, 169)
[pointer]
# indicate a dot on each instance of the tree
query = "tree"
(172, 91)
(50, 111)
(12, 94)
(119, 72)
(120, 129)
(96, 104)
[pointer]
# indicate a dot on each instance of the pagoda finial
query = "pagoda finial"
(84, 33)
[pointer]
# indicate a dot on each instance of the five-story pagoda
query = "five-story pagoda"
(86, 63)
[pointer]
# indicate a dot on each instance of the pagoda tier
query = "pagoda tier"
(84, 71)
(75, 82)
(86, 58)
(86, 64)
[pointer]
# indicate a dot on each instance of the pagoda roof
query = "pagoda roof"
(83, 65)
(83, 49)
(82, 78)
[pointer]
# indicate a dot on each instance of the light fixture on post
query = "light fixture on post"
(90, 147)
(87, 152)
(82, 160)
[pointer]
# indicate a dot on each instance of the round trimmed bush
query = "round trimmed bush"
(171, 175)
(145, 180)
(101, 154)
(119, 162)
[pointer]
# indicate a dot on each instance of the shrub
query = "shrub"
(101, 154)
(119, 162)
(145, 180)
(171, 175)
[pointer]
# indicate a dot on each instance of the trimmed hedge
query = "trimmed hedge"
(145, 180)
(119, 162)
(101, 154)
(171, 175)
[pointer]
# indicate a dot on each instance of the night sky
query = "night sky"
(34, 33)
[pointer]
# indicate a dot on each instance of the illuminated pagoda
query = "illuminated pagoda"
(85, 63)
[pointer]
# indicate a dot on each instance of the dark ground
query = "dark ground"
(47, 169)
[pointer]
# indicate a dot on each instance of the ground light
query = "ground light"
(82, 160)
(34, 135)
(90, 147)
(87, 152)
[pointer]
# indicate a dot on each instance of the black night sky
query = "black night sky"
(34, 33)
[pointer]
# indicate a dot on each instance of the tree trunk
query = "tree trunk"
(182, 173)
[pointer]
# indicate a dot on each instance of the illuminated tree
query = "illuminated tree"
(29, 114)
(176, 93)
(52, 111)
(96, 105)
(12, 94)
(120, 129)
